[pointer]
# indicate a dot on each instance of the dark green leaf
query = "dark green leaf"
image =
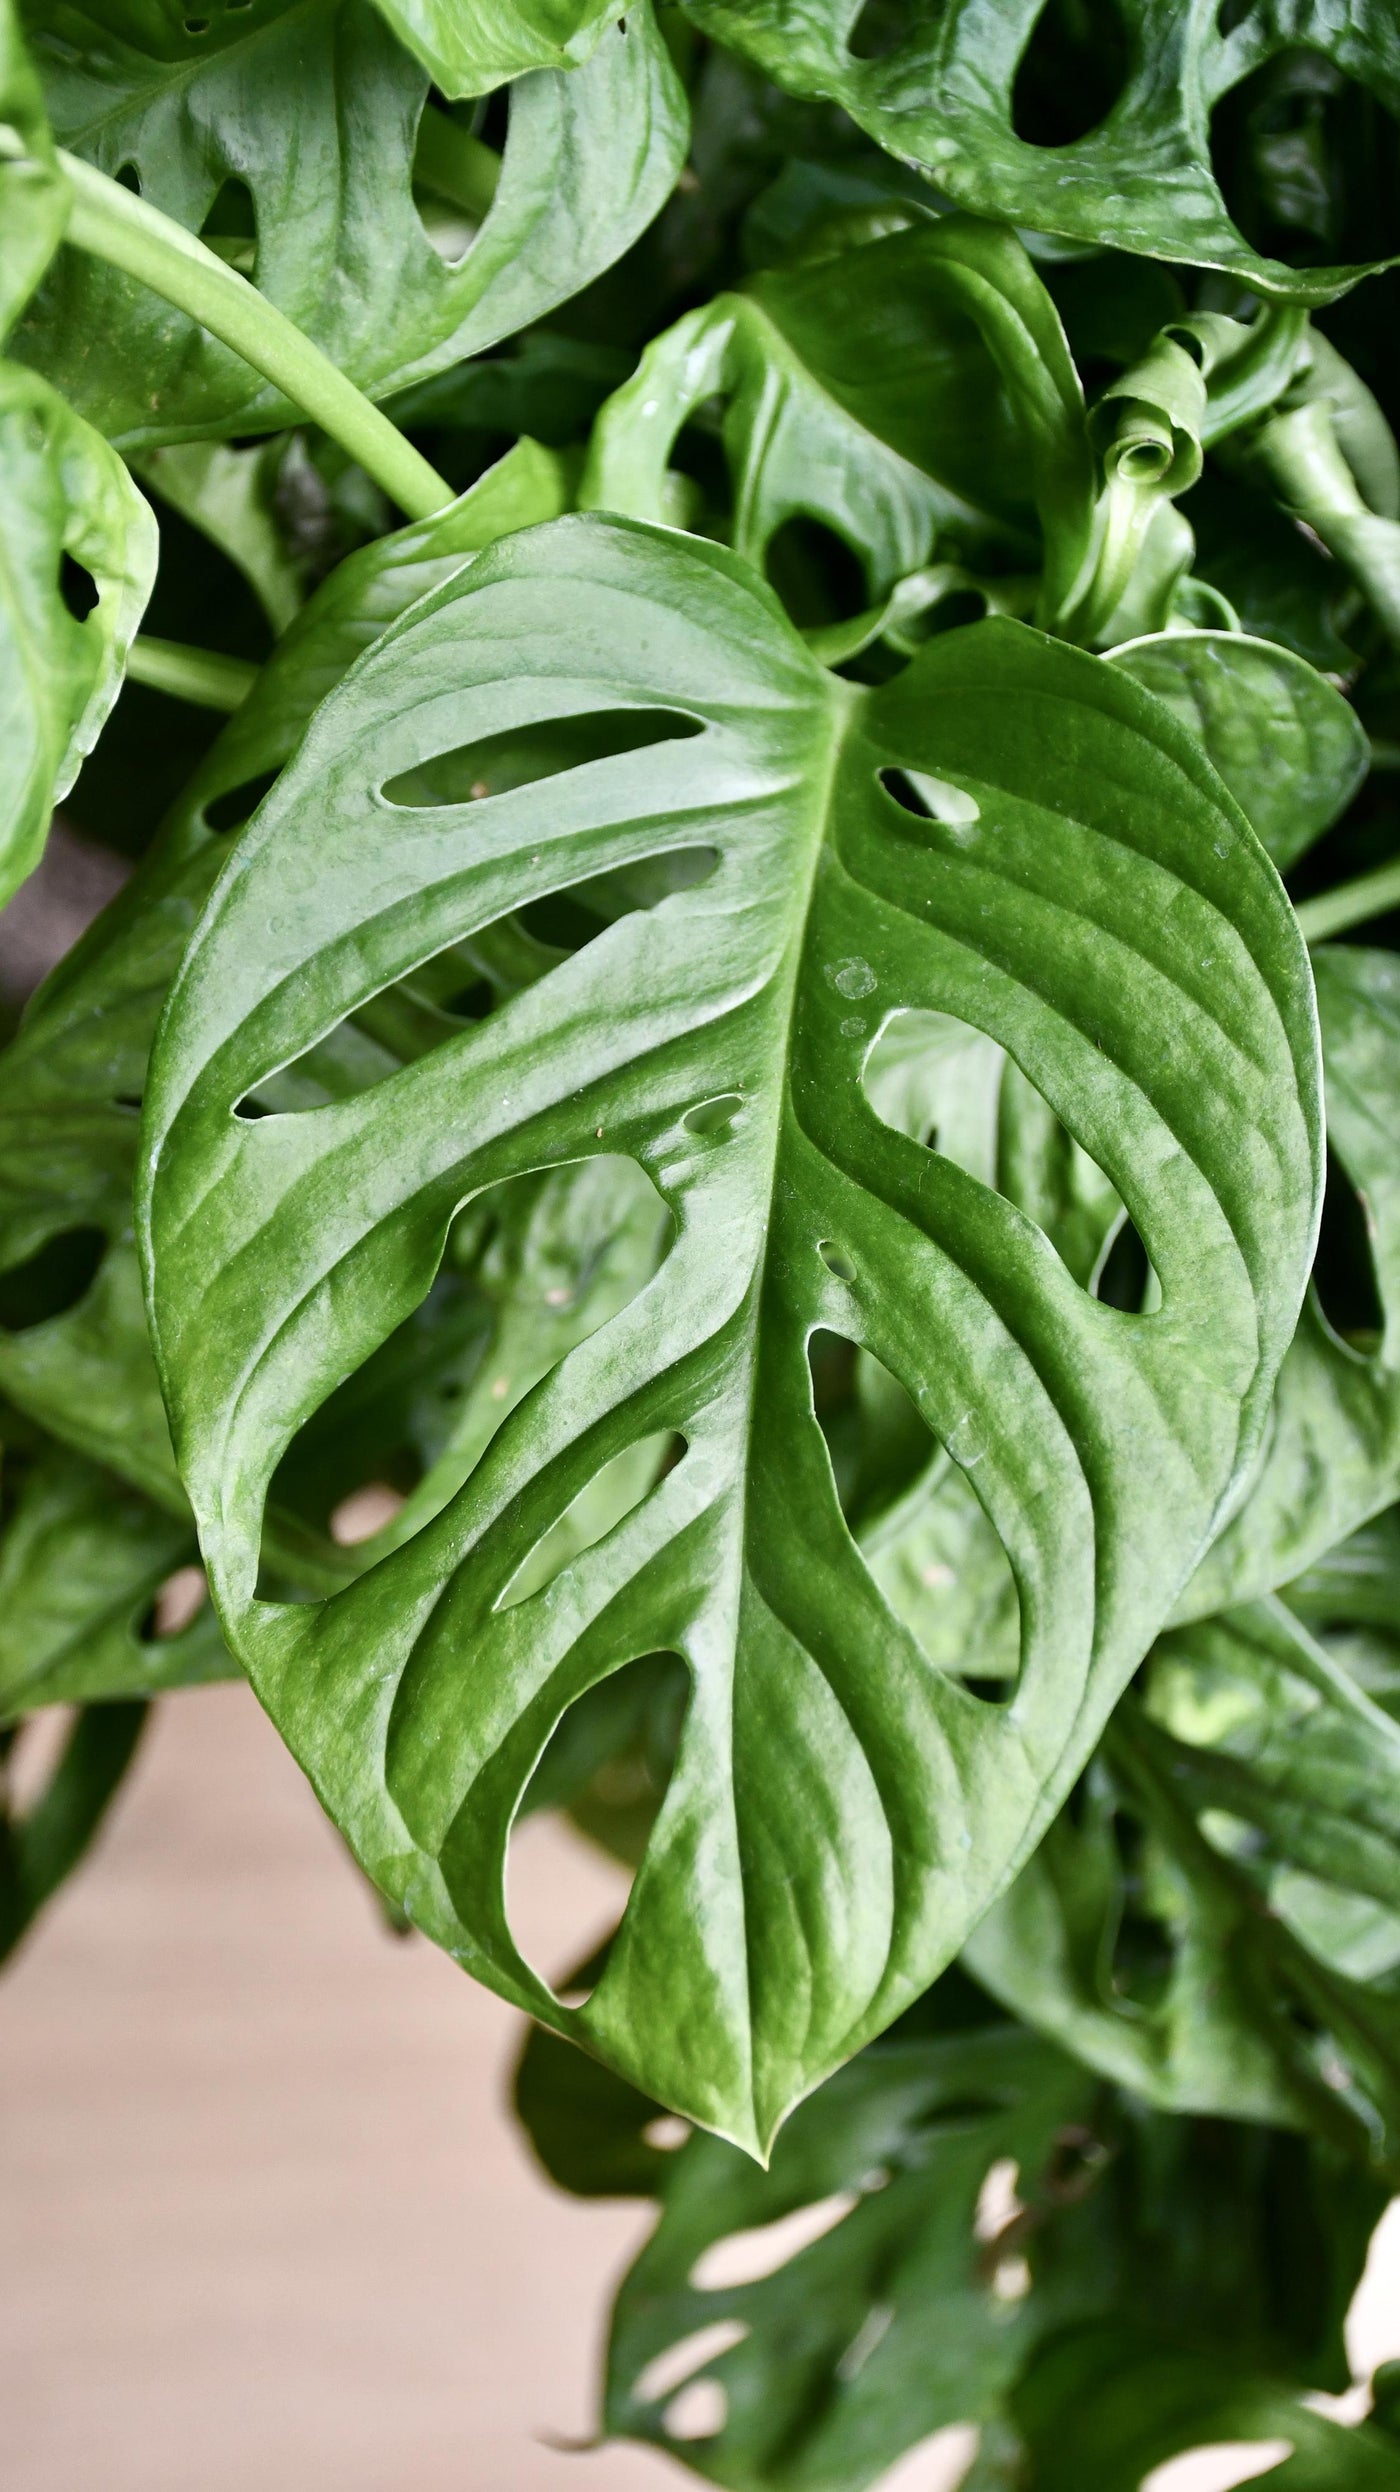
(287, 137)
(940, 93)
(719, 1041)
(40, 1846)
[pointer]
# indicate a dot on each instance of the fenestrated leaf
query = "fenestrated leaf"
(71, 1080)
(231, 497)
(33, 193)
(1218, 1923)
(470, 46)
(301, 121)
(1289, 748)
(840, 1813)
(933, 2213)
(67, 508)
(940, 95)
(82, 1559)
(1107, 2404)
(1331, 1454)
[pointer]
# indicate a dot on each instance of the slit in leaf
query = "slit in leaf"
(1344, 1271)
(230, 227)
(520, 756)
(52, 1280)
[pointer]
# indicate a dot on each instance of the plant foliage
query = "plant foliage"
(730, 1161)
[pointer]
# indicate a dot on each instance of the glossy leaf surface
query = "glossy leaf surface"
(718, 1038)
(287, 138)
(70, 519)
(33, 193)
(936, 89)
(470, 46)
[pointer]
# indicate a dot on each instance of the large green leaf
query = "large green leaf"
(82, 1560)
(1217, 1923)
(470, 46)
(1331, 1455)
(1079, 887)
(291, 130)
(935, 87)
(33, 193)
(67, 508)
(76, 1355)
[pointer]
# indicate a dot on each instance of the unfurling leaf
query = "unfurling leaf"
(747, 869)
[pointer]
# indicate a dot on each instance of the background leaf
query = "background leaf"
(470, 46)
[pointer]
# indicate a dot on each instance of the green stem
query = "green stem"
(211, 682)
(1351, 903)
(114, 225)
(461, 169)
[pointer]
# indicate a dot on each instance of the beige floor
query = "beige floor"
(267, 2227)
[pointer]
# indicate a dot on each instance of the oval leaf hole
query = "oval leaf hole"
(713, 1116)
(176, 1606)
(747, 2257)
(77, 588)
(669, 2370)
(51, 1280)
(1071, 73)
(931, 799)
(699, 2412)
(1219, 2467)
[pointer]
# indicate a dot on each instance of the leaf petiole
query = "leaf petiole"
(114, 225)
(1351, 904)
(203, 676)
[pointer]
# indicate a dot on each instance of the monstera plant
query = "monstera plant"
(731, 1160)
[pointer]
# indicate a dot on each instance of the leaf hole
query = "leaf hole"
(1071, 73)
(1232, 13)
(230, 227)
(1218, 2466)
(879, 29)
(196, 25)
(51, 1281)
(77, 588)
(599, 1508)
(130, 179)
(669, 2370)
(931, 799)
(522, 756)
(837, 1260)
(748, 2257)
(667, 2133)
(817, 575)
(364, 1513)
(237, 805)
(1123, 1277)
(713, 1117)
(1308, 162)
(177, 1604)
(1344, 1270)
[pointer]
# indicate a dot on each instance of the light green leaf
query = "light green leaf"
(1331, 1454)
(839, 1814)
(939, 95)
(33, 193)
(71, 1081)
(288, 137)
(470, 46)
(1289, 748)
(82, 1560)
(66, 501)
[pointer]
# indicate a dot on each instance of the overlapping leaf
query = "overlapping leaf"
(839, 1814)
(286, 137)
(70, 518)
(470, 46)
(41, 1843)
(937, 88)
(33, 193)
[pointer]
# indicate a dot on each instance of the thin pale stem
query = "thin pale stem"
(114, 225)
(210, 681)
(1351, 904)
(460, 168)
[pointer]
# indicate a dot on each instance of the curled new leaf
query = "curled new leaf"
(751, 868)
